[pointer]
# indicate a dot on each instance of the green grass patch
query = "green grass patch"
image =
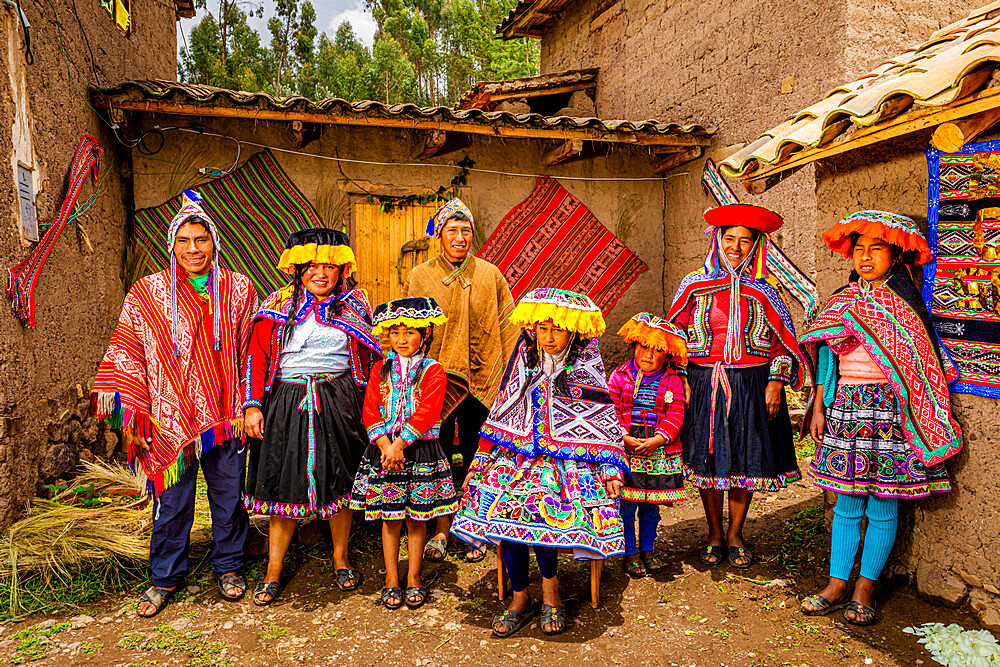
(801, 548)
(33, 643)
(200, 651)
(805, 448)
(272, 631)
(90, 647)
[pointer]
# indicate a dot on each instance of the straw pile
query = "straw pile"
(58, 537)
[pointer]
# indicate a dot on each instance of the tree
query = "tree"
(427, 52)
(224, 50)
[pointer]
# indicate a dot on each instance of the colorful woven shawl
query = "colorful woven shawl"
(778, 318)
(895, 332)
(355, 320)
(529, 417)
(141, 386)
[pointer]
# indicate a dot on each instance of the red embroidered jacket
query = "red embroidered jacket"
(410, 408)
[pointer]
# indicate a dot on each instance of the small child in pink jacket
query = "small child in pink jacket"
(649, 400)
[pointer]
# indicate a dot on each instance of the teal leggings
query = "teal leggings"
(883, 514)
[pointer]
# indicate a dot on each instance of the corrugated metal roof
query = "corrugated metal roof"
(526, 19)
(482, 95)
(955, 62)
(193, 99)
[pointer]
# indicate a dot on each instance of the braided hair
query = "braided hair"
(426, 336)
(297, 288)
(532, 359)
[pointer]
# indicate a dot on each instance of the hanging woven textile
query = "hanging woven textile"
(22, 278)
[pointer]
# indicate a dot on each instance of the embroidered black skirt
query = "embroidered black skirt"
(654, 479)
(748, 450)
(307, 460)
(422, 490)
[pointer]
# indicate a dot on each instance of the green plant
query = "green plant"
(272, 631)
(32, 643)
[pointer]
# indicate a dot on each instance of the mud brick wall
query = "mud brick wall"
(944, 542)
(740, 66)
(44, 430)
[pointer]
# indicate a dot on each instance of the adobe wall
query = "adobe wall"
(490, 196)
(944, 543)
(44, 429)
(721, 63)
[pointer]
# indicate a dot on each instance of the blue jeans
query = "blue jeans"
(173, 515)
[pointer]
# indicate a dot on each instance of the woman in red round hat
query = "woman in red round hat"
(741, 353)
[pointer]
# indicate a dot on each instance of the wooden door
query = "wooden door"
(388, 245)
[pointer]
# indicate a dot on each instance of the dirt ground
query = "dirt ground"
(685, 615)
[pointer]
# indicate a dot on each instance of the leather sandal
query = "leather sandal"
(158, 597)
(268, 588)
(712, 555)
(553, 614)
(345, 576)
(392, 593)
(740, 553)
(652, 563)
(512, 620)
(416, 596)
(227, 581)
(633, 566)
(863, 615)
(820, 606)
(435, 550)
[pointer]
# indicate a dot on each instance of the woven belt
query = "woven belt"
(310, 405)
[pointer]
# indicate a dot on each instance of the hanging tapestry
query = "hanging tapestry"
(962, 281)
(256, 207)
(552, 240)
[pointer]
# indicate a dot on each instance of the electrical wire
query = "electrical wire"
(209, 133)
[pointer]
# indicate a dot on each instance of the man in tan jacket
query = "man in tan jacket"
(473, 345)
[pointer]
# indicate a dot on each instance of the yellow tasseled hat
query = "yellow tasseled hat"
(655, 332)
(566, 310)
(319, 246)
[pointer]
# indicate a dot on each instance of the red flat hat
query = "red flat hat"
(745, 215)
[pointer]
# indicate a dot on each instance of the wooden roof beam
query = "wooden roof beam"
(440, 142)
(916, 120)
(499, 131)
(674, 160)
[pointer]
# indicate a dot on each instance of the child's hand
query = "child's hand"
(818, 424)
(613, 487)
(392, 456)
(468, 478)
(650, 445)
(631, 444)
(130, 438)
(253, 422)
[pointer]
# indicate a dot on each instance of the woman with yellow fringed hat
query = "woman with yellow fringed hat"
(311, 353)
(548, 473)
(649, 400)
(742, 352)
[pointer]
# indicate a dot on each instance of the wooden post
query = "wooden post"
(951, 137)
(501, 576)
(596, 566)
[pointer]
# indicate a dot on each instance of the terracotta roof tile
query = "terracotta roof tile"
(953, 63)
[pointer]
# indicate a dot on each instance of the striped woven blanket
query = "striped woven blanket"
(256, 207)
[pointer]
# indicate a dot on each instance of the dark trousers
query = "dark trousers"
(467, 418)
(173, 515)
(515, 557)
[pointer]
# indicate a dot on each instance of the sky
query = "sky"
(329, 15)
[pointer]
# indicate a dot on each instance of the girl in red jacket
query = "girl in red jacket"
(404, 473)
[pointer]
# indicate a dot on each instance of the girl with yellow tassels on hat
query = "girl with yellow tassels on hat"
(311, 353)
(649, 400)
(548, 473)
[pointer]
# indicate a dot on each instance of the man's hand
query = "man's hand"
(772, 397)
(253, 421)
